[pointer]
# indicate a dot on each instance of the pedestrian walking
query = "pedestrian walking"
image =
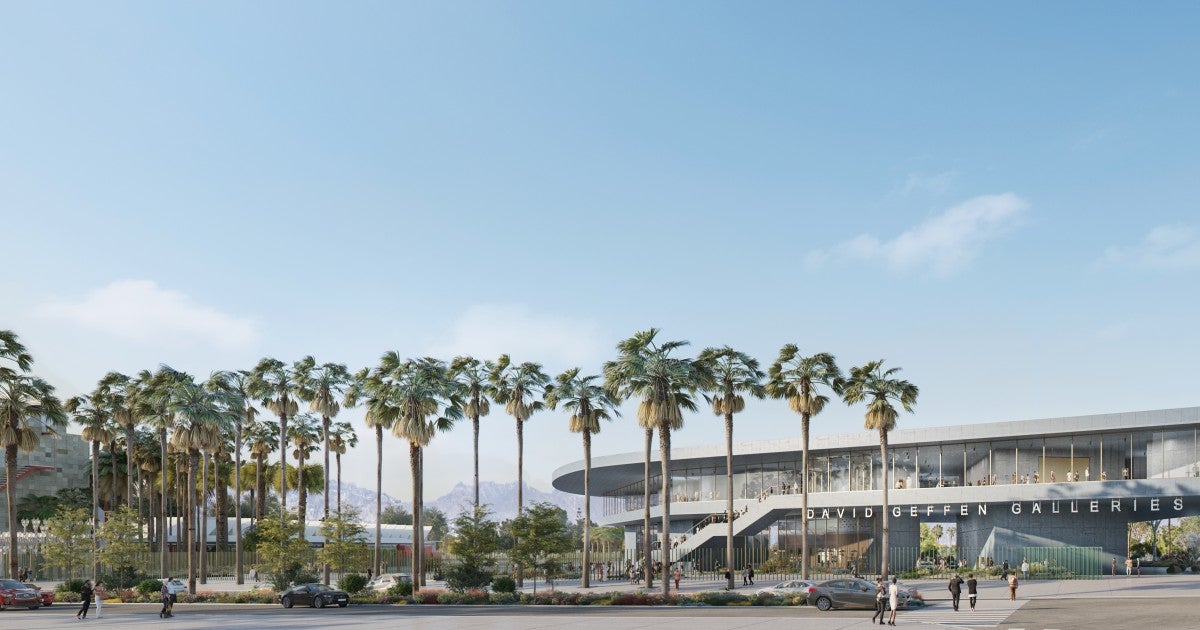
(1114, 566)
(99, 590)
(893, 601)
(1025, 569)
(955, 590)
(750, 573)
(1004, 571)
(677, 575)
(1012, 587)
(972, 589)
(85, 600)
(1128, 566)
(164, 594)
(745, 577)
(880, 597)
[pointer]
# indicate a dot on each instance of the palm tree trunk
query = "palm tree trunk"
(116, 494)
(95, 508)
(883, 553)
(237, 502)
(221, 503)
(475, 432)
(648, 556)
(283, 446)
(414, 461)
(338, 457)
(804, 423)
(10, 472)
(162, 504)
(521, 489)
(378, 493)
(587, 508)
(729, 500)
(204, 517)
(260, 487)
(664, 449)
(325, 474)
(190, 510)
(302, 507)
(129, 466)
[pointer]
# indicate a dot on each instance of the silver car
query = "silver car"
(845, 593)
(789, 588)
(385, 581)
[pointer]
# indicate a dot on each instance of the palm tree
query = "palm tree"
(152, 403)
(323, 387)
(303, 434)
(665, 385)
(274, 383)
(471, 375)
(24, 401)
(518, 388)
(118, 390)
(341, 438)
(91, 413)
(263, 438)
(425, 402)
(369, 388)
(797, 378)
(733, 373)
(881, 391)
(589, 404)
(201, 417)
(235, 386)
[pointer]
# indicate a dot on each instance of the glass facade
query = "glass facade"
(1090, 457)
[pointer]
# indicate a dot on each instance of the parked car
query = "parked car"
(175, 586)
(47, 596)
(15, 593)
(852, 593)
(384, 581)
(789, 588)
(315, 595)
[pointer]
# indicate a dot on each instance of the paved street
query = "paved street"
(1160, 602)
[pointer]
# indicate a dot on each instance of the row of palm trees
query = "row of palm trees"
(417, 398)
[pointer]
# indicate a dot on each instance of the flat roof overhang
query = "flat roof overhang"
(615, 471)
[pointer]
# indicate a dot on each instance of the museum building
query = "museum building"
(1010, 489)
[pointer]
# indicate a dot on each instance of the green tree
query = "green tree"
(304, 433)
(589, 403)
(235, 386)
(323, 387)
(471, 377)
(733, 374)
(882, 391)
(799, 379)
(396, 515)
(518, 388)
(345, 542)
(280, 547)
(69, 540)
(262, 437)
(370, 389)
(342, 437)
(120, 548)
(474, 540)
(91, 413)
(665, 384)
(436, 521)
(540, 534)
(274, 384)
(931, 536)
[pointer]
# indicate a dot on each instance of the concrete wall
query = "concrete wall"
(71, 459)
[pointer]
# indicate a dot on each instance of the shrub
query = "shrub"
(73, 585)
(122, 577)
(467, 575)
(352, 583)
(427, 597)
(505, 597)
(402, 588)
(504, 584)
(722, 598)
(149, 587)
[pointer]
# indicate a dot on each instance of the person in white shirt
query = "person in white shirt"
(893, 600)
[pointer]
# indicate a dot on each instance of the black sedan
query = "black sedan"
(317, 595)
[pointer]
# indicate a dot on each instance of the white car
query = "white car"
(788, 588)
(175, 587)
(385, 581)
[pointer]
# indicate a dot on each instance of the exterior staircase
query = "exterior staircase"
(754, 516)
(22, 472)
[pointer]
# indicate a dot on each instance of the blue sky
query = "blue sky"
(1001, 199)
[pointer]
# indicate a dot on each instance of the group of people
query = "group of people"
(887, 600)
(85, 598)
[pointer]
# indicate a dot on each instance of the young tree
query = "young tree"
(475, 539)
(69, 540)
(345, 542)
(280, 547)
(540, 534)
(120, 548)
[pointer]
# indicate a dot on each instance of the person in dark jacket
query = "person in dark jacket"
(85, 599)
(972, 589)
(955, 589)
(165, 594)
(880, 598)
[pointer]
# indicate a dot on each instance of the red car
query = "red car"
(47, 596)
(14, 593)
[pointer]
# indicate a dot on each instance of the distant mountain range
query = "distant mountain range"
(501, 498)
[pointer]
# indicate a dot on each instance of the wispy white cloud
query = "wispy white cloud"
(489, 330)
(1169, 247)
(944, 244)
(142, 311)
(936, 183)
